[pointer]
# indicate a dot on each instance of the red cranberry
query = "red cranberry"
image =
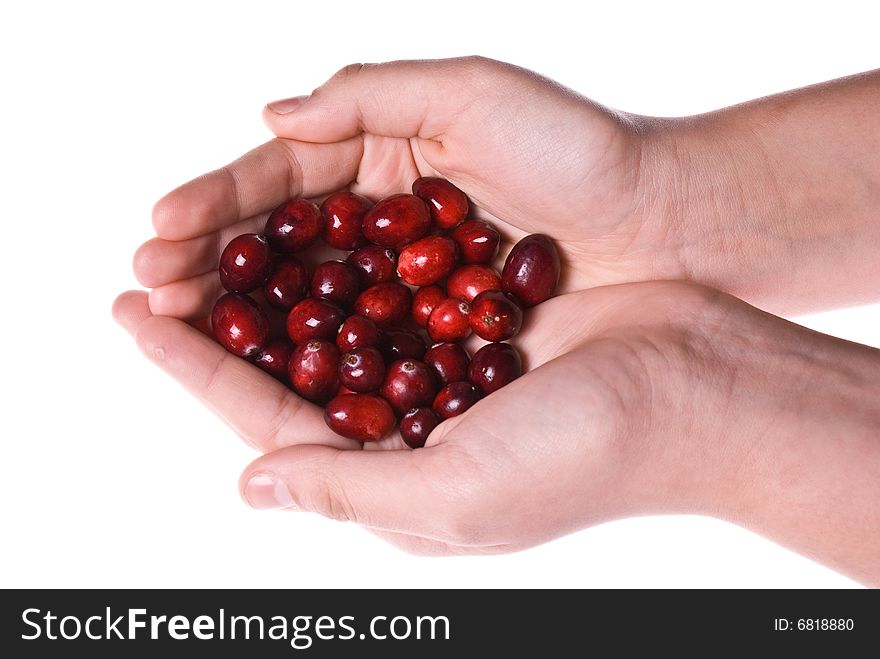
(448, 204)
(424, 301)
(293, 226)
(374, 264)
(275, 358)
(313, 319)
(313, 371)
(287, 284)
(400, 343)
(364, 417)
(416, 425)
(344, 391)
(245, 263)
(449, 361)
(531, 270)
(362, 370)
(477, 241)
(396, 221)
(449, 321)
(495, 316)
(357, 332)
(494, 365)
(455, 398)
(427, 261)
(385, 304)
(468, 281)
(240, 325)
(336, 281)
(408, 383)
(343, 215)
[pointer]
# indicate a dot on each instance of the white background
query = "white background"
(111, 474)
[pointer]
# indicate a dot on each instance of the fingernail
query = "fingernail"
(267, 492)
(287, 105)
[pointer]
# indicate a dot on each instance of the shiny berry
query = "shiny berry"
(531, 271)
(314, 319)
(399, 343)
(336, 281)
(374, 264)
(363, 417)
(449, 361)
(427, 261)
(343, 215)
(362, 370)
(408, 383)
(494, 365)
(275, 358)
(357, 332)
(416, 425)
(468, 281)
(397, 221)
(477, 241)
(449, 321)
(424, 301)
(240, 325)
(313, 370)
(495, 316)
(385, 304)
(448, 204)
(454, 399)
(287, 284)
(245, 263)
(293, 226)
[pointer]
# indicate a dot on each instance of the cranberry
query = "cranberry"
(336, 281)
(455, 398)
(416, 425)
(401, 343)
(343, 215)
(364, 417)
(449, 361)
(448, 204)
(313, 371)
(397, 221)
(427, 261)
(449, 321)
(531, 270)
(375, 264)
(287, 284)
(293, 226)
(385, 304)
(245, 263)
(240, 325)
(477, 241)
(275, 358)
(468, 281)
(344, 391)
(494, 365)
(357, 332)
(362, 370)
(424, 301)
(313, 319)
(495, 316)
(408, 383)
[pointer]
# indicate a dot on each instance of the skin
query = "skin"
(653, 397)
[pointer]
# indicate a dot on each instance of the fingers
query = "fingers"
(255, 183)
(260, 409)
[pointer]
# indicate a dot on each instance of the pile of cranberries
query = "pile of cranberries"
(355, 339)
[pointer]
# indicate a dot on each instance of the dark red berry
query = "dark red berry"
(408, 383)
(477, 241)
(240, 325)
(287, 284)
(449, 361)
(416, 425)
(385, 304)
(364, 417)
(494, 365)
(427, 261)
(449, 321)
(293, 226)
(314, 319)
(448, 204)
(314, 368)
(397, 221)
(343, 215)
(344, 391)
(336, 281)
(374, 264)
(495, 316)
(454, 399)
(245, 263)
(357, 332)
(401, 343)
(362, 370)
(275, 358)
(468, 281)
(424, 301)
(531, 271)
